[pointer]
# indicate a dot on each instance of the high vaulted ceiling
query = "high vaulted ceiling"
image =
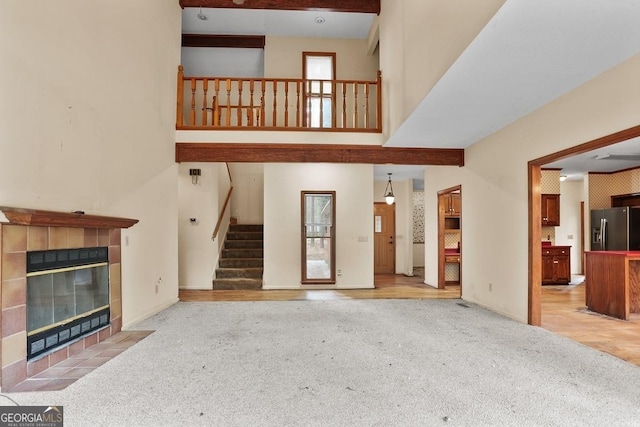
(530, 53)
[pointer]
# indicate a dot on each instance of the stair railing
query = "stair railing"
(224, 207)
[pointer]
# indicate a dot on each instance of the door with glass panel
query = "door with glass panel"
(318, 237)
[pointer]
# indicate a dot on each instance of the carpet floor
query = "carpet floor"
(348, 363)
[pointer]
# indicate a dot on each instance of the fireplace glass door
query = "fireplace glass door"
(57, 297)
(67, 296)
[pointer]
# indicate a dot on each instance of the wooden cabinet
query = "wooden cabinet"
(625, 200)
(556, 265)
(452, 224)
(453, 259)
(612, 283)
(550, 207)
(452, 204)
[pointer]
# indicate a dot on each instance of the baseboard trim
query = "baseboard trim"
(155, 310)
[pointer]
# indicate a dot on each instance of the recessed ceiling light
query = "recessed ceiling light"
(319, 20)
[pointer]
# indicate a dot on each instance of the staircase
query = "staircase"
(241, 260)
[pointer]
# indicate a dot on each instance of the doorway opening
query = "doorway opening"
(450, 238)
(535, 213)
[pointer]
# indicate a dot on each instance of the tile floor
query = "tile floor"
(70, 370)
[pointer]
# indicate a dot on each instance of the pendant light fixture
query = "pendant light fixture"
(388, 192)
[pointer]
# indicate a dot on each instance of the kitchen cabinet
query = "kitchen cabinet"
(452, 224)
(452, 205)
(453, 259)
(550, 209)
(556, 265)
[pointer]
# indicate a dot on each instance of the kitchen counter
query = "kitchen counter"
(612, 281)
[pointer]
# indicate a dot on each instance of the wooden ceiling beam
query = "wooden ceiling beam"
(316, 153)
(225, 40)
(360, 6)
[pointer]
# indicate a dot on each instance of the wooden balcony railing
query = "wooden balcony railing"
(223, 103)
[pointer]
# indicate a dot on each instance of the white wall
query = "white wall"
(222, 62)
(283, 57)
(283, 184)
(198, 255)
(418, 255)
(419, 41)
(568, 232)
(87, 117)
(495, 184)
(247, 199)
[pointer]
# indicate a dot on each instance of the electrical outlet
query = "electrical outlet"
(339, 272)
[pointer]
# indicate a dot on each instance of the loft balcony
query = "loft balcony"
(228, 103)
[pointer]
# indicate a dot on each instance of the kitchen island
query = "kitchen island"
(612, 281)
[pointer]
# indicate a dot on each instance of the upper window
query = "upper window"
(319, 70)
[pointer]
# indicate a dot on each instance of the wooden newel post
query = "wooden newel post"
(180, 96)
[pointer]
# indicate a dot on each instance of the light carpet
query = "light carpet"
(349, 363)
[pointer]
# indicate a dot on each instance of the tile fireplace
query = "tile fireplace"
(61, 287)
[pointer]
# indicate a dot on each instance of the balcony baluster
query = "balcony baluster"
(227, 103)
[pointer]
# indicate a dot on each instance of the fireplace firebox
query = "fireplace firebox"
(67, 296)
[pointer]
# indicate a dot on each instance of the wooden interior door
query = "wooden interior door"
(384, 245)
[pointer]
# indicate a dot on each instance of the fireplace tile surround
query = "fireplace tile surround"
(32, 230)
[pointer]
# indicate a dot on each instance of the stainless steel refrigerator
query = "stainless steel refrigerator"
(615, 229)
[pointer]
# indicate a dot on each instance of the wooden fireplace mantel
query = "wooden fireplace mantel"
(21, 216)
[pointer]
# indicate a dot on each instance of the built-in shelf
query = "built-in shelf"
(21, 216)
(452, 224)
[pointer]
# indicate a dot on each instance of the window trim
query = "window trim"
(305, 91)
(303, 239)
